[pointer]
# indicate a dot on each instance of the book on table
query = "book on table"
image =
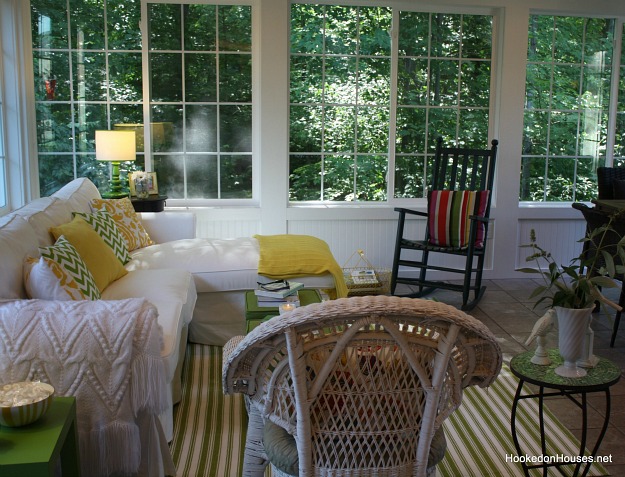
(278, 289)
(270, 302)
(364, 277)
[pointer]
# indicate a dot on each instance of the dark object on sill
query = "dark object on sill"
(153, 203)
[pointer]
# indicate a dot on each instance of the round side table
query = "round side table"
(599, 379)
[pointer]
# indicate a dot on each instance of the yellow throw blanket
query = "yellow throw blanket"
(290, 256)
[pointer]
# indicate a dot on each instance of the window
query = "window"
(443, 90)
(89, 75)
(566, 107)
(87, 64)
(345, 131)
(201, 100)
(340, 102)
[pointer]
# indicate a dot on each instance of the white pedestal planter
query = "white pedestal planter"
(572, 329)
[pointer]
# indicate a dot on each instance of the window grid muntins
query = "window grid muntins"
(197, 138)
(340, 95)
(556, 166)
(73, 90)
(95, 58)
(417, 121)
(619, 140)
(466, 116)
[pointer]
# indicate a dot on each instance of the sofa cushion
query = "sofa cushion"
(43, 214)
(60, 274)
(78, 194)
(171, 291)
(104, 225)
(216, 264)
(17, 241)
(97, 255)
(126, 220)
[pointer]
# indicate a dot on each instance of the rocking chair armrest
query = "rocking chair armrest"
(411, 211)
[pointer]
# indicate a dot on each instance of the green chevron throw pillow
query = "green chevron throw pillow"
(60, 274)
(102, 222)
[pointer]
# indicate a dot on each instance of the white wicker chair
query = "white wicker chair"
(362, 384)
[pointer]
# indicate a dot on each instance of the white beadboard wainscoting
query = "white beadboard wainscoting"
(558, 237)
(374, 231)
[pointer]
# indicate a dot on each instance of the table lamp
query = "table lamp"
(115, 147)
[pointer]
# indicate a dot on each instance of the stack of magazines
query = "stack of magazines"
(276, 293)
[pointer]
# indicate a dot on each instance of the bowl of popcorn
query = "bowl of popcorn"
(23, 403)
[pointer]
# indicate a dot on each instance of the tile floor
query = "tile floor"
(507, 310)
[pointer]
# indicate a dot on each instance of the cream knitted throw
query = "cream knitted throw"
(108, 355)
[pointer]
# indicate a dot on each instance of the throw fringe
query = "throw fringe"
(117, 447)
(149, 386)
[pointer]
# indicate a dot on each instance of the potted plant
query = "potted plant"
(574, 290)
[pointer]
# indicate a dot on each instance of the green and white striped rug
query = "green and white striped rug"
(209, 428)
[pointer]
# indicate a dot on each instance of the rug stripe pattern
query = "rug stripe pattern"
(209, 428)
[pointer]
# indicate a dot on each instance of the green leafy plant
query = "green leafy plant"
(579, 284)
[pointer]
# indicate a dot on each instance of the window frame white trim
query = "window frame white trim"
(22, 179)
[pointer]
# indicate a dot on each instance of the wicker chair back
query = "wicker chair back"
(363, 383)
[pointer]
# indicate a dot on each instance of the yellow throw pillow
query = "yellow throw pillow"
(126, 219)
(99, 257)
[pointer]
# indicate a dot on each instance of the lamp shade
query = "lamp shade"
(117, 146)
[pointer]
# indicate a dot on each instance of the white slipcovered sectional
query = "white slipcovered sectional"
(171, 291)
(197, 284)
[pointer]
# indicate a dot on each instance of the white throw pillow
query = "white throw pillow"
(17, 241)
(78, 194)
(53, 214)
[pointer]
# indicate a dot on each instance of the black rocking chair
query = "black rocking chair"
(595, 219)
(455, 169)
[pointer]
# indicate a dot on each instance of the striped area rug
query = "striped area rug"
(209, 428)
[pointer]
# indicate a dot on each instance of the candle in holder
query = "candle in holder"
(285, 307)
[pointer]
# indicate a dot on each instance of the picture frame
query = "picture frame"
(137, 176)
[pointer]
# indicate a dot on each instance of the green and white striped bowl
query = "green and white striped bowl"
(16, 416)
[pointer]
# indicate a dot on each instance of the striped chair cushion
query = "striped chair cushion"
(448, 217)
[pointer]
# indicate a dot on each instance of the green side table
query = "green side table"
(35, 450)
(255, 315)
(598, 380)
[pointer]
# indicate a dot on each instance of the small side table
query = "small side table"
(153, 203)
(35, 449)
(255, 315)
(599, 379)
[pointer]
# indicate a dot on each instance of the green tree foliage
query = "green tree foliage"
(567, 97)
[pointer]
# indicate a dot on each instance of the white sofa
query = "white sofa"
(223, 269)
(171, 291)
(196, 284)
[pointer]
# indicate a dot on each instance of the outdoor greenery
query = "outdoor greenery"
(340, 122)
(95, 81)
(566, 111)
(348, 140)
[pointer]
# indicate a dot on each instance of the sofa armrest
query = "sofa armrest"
(168, 226)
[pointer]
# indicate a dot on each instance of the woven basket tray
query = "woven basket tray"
(358, 262)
